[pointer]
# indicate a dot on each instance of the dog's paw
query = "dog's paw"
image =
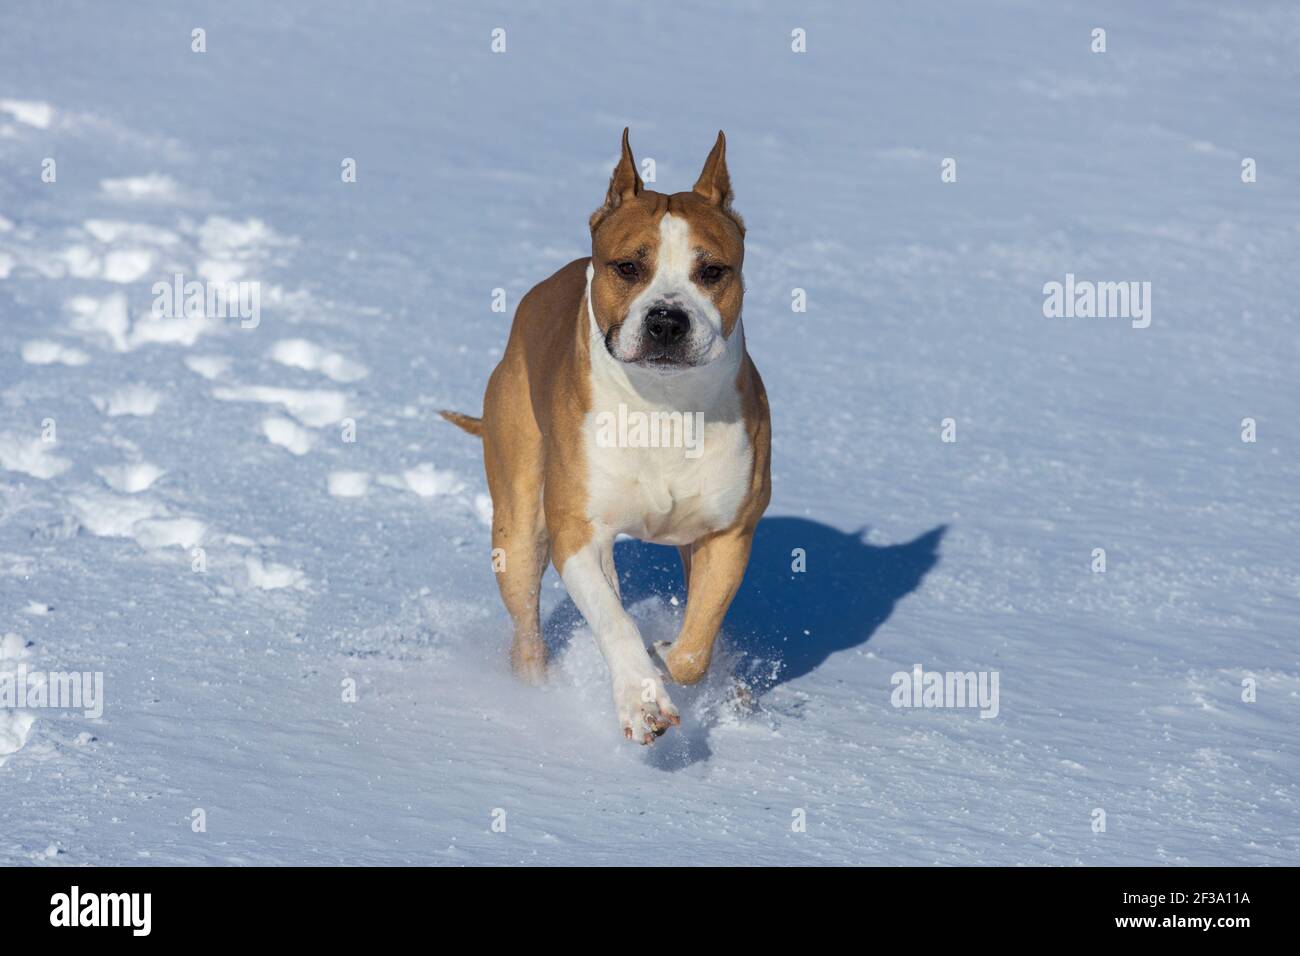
(644, 709)
(529, 668)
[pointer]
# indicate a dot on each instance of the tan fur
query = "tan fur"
(466, 422)
(539, 396)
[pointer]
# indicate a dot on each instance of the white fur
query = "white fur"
(638, 690)
(656, 494)
(672, 285)
(662, 494)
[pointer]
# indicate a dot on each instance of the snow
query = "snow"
(133, 399)
(299, 353)
(30, 112)
(278, 556)
(130, 477)
(43, 352)
(348, 484)
(152, 186)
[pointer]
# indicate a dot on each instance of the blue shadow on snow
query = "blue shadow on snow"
(783, 623)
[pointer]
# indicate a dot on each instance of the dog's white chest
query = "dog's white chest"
(666, 475)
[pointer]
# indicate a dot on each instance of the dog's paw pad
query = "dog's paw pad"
(645, 711)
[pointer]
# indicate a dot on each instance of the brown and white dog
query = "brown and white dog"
(647, 328)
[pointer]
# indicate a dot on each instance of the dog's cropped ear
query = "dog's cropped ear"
(714, 183)
(623, 185)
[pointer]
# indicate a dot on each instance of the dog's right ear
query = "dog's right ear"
(623, 185)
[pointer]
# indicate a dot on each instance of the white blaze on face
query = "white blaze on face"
(672, 285)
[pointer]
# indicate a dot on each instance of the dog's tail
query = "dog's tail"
(468, 422)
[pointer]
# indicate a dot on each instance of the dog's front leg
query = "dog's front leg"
(644, 708)
(717, 566)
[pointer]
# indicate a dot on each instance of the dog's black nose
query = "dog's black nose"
(666, 326)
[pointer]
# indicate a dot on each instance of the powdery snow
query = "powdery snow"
(279, 557)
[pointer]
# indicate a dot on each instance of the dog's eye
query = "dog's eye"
(712, 273)
(628, 270)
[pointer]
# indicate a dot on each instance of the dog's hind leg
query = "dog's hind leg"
(513, 457)
(520, 551)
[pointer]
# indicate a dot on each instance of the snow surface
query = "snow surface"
(330, 561)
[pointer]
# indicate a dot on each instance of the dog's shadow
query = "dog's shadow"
(810, 591)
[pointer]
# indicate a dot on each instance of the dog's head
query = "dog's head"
(666, 285)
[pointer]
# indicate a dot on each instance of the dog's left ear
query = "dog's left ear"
(714, 183)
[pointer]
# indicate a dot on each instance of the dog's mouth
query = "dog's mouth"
(662, 361)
